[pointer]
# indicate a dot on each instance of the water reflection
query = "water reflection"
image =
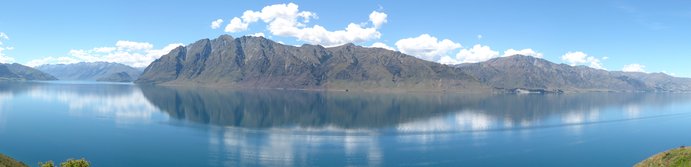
(121, 102)
(304, 128)
(243, 147)
(291, 128)
(403, 112)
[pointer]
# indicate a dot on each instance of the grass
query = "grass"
(678, 157)
(6, 161)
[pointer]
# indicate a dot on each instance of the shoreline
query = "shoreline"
(680, 156)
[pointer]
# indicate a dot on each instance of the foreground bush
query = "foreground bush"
(69, 163)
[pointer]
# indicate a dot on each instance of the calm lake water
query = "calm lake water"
(127, 125)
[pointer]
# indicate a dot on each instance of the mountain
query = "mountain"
(659, 81)
(20, 72)
(92, 71)
(117, 77)
(256, 62)
(534, 74)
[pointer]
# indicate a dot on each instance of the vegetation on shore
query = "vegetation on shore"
(678, 157)
(69, 163)
(6, 161)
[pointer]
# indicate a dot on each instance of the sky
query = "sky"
(644, 36)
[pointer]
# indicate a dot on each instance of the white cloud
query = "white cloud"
(135, 54)
(381, 45)
(524, 52)
(3, 57)
(426, 47)
(633, 68)
(449, 60)
(479, 36)
(105, 49)
(3, 36)
(236, 25)
(52, 60)
(377, 18)
(288, 21)
(259, 34)
(216, 24)
(476, 54)
(580, 58)
(133, 46)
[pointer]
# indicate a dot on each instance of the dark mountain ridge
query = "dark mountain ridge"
(256, 62)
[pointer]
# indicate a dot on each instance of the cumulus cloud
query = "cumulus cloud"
(381, 45)
(449, 60)
(216, 24)
(633, 68)
(426, 47)
(288, 21)
(135, 54)
(580, 58)
(475, 54)
(377, 18)
(236, 25)
(524, 52)
(3, 57)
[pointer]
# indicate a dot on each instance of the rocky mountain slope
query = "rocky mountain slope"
(256, 62)
(530, 73)
(20, 72)
(92, 71)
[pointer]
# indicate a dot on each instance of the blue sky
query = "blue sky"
(597, 33)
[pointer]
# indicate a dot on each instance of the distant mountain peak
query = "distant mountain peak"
(92, 71)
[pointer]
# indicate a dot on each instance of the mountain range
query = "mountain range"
(256, 62)
(16, 71)
(92, 71)
(534, 74)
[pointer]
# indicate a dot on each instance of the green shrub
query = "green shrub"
(69, 163)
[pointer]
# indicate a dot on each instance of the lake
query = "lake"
(114, 125)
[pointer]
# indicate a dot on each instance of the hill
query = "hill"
(20, 72)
